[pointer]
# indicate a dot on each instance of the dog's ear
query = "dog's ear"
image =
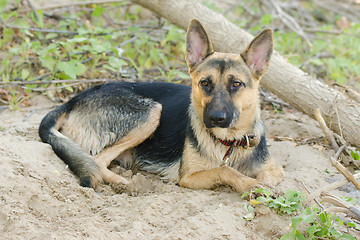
(198, 45)
(258, 53)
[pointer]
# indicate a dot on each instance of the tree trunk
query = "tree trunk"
(296, 87)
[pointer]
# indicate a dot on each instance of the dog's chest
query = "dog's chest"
(221, 155)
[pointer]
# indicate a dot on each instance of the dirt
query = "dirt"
(41, 199)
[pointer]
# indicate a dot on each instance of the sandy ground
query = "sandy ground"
(41, 199)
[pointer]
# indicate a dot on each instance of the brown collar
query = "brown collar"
(233, 143)
(237, 143)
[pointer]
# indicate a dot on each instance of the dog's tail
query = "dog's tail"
(78, 160)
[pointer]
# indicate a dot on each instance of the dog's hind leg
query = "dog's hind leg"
(131, 140)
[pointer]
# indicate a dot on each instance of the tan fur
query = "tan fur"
(214, 150)
(271, 173)
(246, 100)
(199, 173)
(134, 138)
(88, 138)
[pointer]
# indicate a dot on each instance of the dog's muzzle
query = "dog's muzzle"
(217, 118)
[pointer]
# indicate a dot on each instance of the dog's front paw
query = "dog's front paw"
(272, 175)
(129, 188)
(247, 185)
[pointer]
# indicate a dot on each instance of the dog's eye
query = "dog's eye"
(237, 84)
(204, 82)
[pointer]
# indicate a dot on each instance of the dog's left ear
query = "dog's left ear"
(258, 53)
(198, 44)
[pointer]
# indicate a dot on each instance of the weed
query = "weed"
(291, 202)
(320, 225)
(355, 153)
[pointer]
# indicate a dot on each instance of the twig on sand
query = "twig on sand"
(308, 194)
(349, 178)
(328, 134)
(343, 170)
(341, 206)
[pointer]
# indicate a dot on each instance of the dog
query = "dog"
(204, 136)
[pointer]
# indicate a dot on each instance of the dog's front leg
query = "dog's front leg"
(227, 176)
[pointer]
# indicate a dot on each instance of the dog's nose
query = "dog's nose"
(218, 118)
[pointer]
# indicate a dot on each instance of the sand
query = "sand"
(42, 199)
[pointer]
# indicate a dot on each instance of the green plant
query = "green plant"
(355, 154)
(291, 202)
(82, 45)
(320, 225)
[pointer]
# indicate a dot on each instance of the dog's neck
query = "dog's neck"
(244, 142)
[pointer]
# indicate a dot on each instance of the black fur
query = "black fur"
(255, 159)
(166, 145)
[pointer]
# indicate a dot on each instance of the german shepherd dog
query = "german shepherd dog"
(203, 136)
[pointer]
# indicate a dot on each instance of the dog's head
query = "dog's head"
(225, 85)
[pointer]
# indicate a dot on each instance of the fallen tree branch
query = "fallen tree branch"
(288, 20)
(315, 30)
(51, 88)
(308, 193)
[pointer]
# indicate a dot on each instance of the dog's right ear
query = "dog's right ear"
(198, 45)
